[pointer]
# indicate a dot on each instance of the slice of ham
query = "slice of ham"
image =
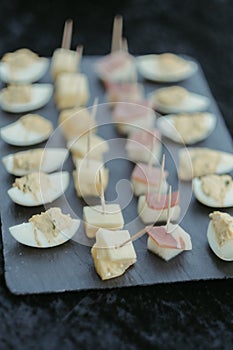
(124, 92)
(144, 138)
(147, 174)
(130, 111)
(153, 201)
(165, 239)
(113, 61)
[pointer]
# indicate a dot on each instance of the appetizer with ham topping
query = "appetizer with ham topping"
(128, 116)
(165, 67)
(143, 146)
(220, 235)
(168, 242)
(214, 190)
(71, 90)
(176, 99)
(153, 207)
(39, 159)
(22, 66)
(110, 259)
(195, 162)
(146, 179)
(28, 130)
(38, 188)
(124, 92)
(187, 128)
(48, 229)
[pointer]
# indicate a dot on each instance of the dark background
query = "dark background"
(193, 315)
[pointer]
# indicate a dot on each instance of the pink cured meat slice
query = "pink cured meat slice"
(114, 61)
(165, 239)
(129, 111)
(144, 138)
(153, 201)
(147, 174)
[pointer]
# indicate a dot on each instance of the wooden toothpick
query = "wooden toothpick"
(169, 207)
(117, 33)
(67, 34)
(102, 198)
(124, 45)
(79, 50)
(161, 178)
(135, 236)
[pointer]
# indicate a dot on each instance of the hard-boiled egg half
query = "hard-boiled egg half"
(25, 98)
(199, 161)
(49, 229)
(165, 67)
(187, 128)
(38, 188)
(176, 99)
(39, 159)
(214, 191)
(220, 235)
(28, 130)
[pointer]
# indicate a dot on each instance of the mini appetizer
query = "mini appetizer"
(187, 128)
(22, 66)
(142, 144)
(165, 67)
(195, 162)
(86, 177)
(146, 179)
(129, 116)
(168, 243)
(38, 188)
(153, 207)
(64, 61)
(220, 235)
(75, 122)
(25, 98)
(48, 229)
(28, 130)
(109, 260)
(124, 92)
(213, 190)
(117, 67)
(95, 217)
(40, 159)
(79, 148)
(176, 99)
(71, 90)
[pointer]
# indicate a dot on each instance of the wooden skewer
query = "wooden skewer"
(117, 33)
(161, 178)
(169, 207)
(102, 198)
(67, 34)
(135, 236)
(124, 45)
(79, 50)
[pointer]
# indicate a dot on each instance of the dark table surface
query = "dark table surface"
(174, 316)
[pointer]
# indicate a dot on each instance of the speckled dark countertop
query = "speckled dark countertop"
(180, 316)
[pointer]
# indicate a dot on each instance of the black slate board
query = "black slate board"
(70, 267)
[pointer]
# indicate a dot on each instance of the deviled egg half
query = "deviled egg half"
(214, 190)
(165, 67)
(48, 229)
(187, 128)
(28, 130)
(38, 188)
(176, 99)
(220, 235)
(39, 159)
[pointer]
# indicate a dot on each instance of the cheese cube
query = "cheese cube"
(72, 90)
(111, 261)
(64, 61)
(79, 148)
(86, 177)
(94, 218)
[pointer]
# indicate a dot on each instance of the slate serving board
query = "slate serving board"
(70, 266)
